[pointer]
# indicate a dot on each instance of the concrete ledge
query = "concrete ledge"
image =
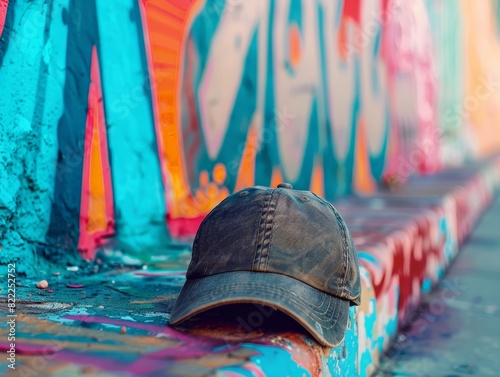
(116, 324)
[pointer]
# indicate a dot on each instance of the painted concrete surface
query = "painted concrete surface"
(455, 332)
(111, 320)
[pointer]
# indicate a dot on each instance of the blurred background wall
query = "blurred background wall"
(122, 123)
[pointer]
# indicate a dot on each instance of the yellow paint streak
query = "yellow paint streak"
(277, 177)
(363, 180)
(97, 209)
(246, 172)
(127, 344)
(295, 46)
(34, 327)
(318, 179)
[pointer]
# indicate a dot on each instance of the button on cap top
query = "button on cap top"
(285, 185)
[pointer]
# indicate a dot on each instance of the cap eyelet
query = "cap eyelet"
(304, 198)
(244, 193)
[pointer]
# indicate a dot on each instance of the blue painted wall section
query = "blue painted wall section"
(83, 35)
(28, 126)
(138, 191)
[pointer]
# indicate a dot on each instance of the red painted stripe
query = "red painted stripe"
(84, 242)
(352, 9)
(106, 169)
(3, 13)
(183, 227)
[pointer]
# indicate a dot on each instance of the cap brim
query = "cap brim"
(323, 315)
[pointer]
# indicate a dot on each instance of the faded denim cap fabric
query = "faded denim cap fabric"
(283, 248)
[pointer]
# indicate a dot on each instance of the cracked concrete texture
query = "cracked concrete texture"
(28, 141)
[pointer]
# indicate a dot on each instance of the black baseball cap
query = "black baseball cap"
(284, 248)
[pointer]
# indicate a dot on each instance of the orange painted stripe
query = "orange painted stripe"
(276, 177)
(246, 172)
(158, 23)
(318, 179)
(170, 39)
(168, 8)
(96, 213)
(166, 19)
(363, 180)
(164, 24)
(295, 46)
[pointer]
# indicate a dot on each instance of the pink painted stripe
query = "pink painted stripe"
(29, 349)
(152, 274)
(3, 13)
(74, 285)
(183, 227)
(103, 139)
(178, 335)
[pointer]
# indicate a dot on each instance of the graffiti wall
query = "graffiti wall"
(123, 123)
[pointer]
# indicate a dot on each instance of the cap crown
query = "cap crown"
(283, 231)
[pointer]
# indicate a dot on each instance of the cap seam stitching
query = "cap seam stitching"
(271, 222)
(346, 248)
(196, 237)
(346, 252)
(260, 234)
